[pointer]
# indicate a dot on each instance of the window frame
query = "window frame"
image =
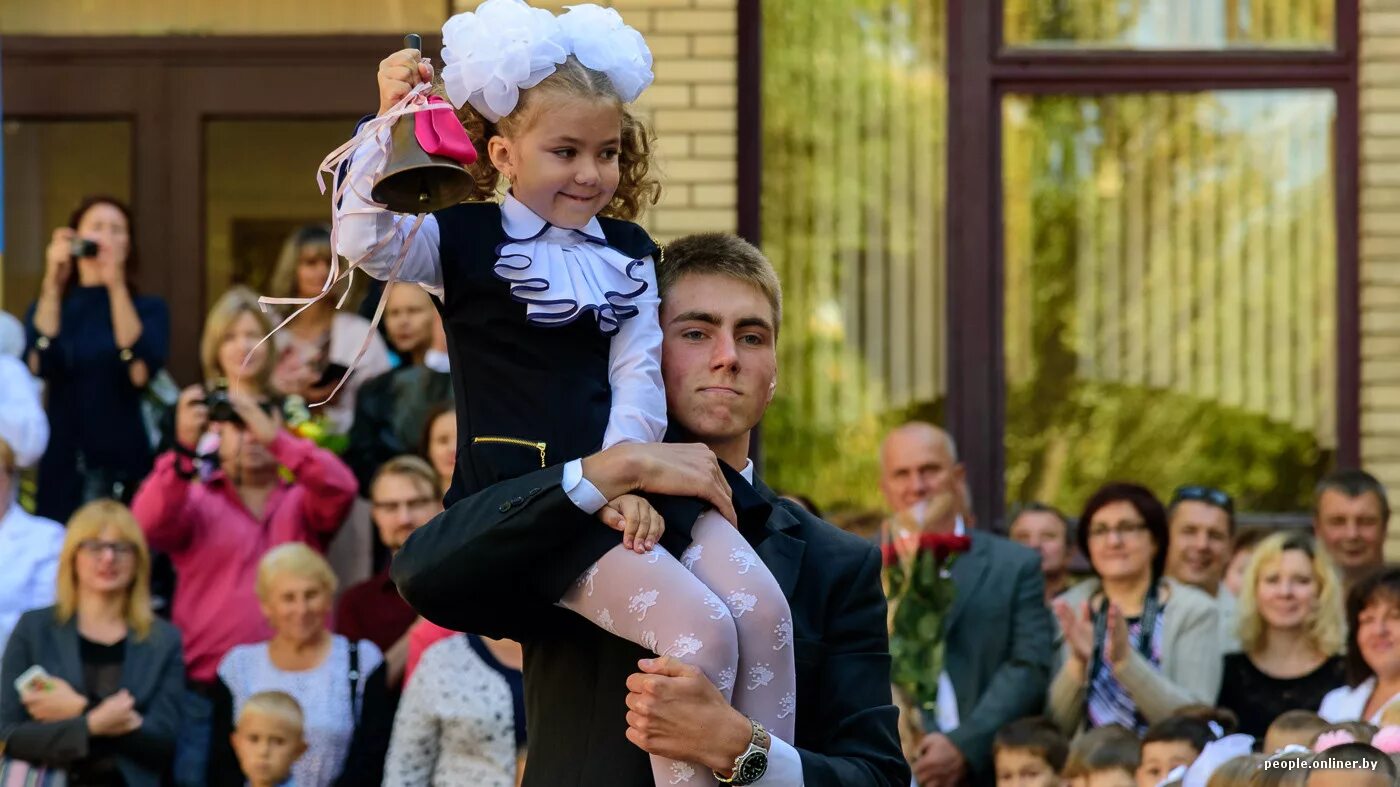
(982, 73)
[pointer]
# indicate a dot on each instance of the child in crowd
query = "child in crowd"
(1173, 741)
(268, 739)
(1238, 772)
(1366, 766)
(1294, 728)
(1105, 756)
(1030, 753)
(1359, 732)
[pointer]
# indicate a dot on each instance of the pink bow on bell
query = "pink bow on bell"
(440, 133)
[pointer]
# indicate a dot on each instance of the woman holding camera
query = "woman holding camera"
(217, 517)
(96, 344)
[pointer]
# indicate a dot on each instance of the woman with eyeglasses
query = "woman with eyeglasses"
(104, 705)
(1291, 630)
(1136, 644)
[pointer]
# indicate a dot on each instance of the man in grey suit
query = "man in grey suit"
(999, 633)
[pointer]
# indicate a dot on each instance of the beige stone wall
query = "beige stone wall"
(1380, 245)
(691, 107)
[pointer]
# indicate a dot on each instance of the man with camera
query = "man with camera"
(216, 513)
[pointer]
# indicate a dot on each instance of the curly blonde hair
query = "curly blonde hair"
(636, 187)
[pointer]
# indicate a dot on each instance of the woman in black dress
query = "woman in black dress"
(1291, 629)
(96, 343)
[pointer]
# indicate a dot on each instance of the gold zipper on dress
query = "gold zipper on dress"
(538, 446)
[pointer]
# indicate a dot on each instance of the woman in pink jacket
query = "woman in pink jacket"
(215, 515)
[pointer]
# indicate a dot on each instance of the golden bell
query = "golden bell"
(415, 181)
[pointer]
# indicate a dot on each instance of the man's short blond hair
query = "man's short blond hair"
(721, 254)
(414, 468)
(278, 704)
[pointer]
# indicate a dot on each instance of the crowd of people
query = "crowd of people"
(594, 565)
(1188, 633)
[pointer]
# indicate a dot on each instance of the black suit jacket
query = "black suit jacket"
(153, 671)
(1000, 642)
(496, 562)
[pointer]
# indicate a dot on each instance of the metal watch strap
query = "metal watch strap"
(760, 742)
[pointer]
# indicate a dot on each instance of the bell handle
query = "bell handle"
(413, 41)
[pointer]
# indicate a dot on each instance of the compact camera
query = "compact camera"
(222, 410)
(82, 247)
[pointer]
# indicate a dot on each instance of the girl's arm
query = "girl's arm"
(374, 236)
(638, 412)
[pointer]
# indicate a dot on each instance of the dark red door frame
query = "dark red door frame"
(168, 88)
(980, 73)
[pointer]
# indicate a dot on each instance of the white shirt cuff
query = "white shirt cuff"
(784, 766)
(580, 490)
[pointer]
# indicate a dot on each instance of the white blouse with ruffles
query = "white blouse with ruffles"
(560, 274)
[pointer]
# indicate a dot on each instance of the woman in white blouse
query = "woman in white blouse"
(1373, 651)
(326, 673)
(29, 544)
(461, 720)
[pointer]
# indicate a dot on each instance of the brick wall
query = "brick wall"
(1380, 246)
(691, 107)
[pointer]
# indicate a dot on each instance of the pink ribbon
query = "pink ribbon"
(415, 101)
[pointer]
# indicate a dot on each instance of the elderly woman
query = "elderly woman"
(1291, 629)
(29, 544)
(1137, 645)
(107, 710)
(462, 719)
(326, 673)
(1372, 651)
(314, 349)
(96, 344)
(216, 515)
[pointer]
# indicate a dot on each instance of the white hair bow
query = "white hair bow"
(506, 46)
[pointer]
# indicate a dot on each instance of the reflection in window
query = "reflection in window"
(1171, 24)
(1170, 275)
(854, 105)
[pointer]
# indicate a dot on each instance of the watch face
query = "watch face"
(753, 768)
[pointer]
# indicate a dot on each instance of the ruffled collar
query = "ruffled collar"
(562, 274)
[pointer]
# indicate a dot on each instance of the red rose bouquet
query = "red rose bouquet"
(919, 551)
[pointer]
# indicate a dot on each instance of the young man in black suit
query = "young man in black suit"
(495, 564)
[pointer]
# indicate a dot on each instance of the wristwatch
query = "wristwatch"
(750, 766)
(126, 355)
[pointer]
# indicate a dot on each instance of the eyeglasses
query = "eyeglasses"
(392, 506)
(122, 550)
(1205, 494)
(1123, 530)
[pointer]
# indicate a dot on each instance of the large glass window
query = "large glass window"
(854, 114)
(1170, 24)
(1170, 293)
